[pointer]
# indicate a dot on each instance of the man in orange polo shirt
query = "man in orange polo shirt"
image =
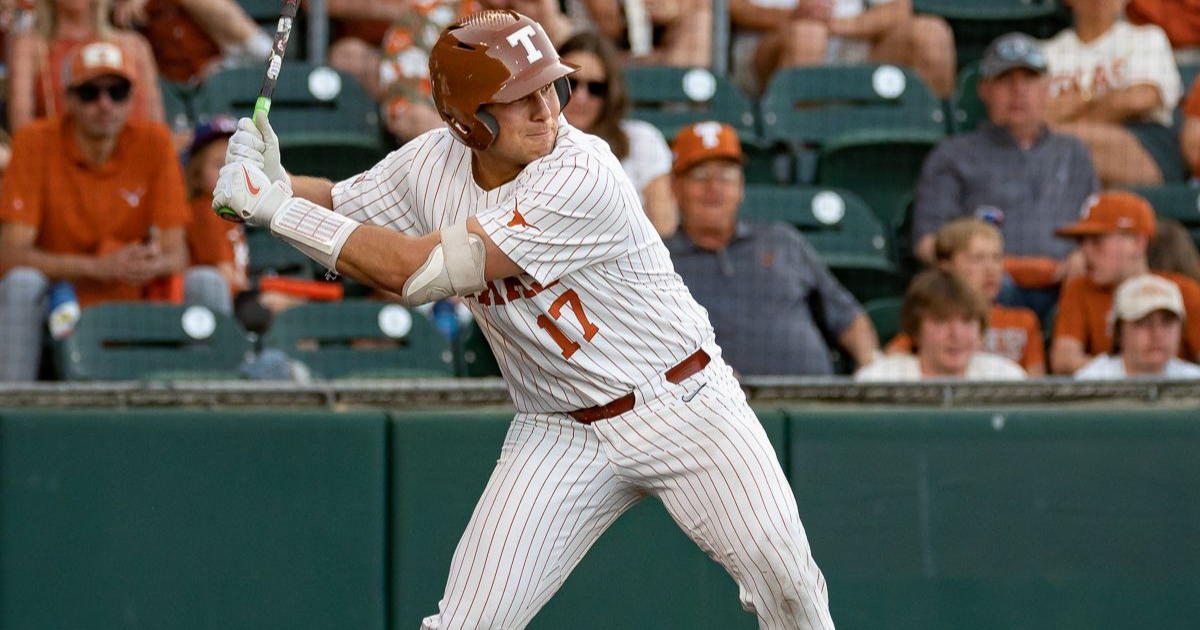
(94, 199)
(1114, 232)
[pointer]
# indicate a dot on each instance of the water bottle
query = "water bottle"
(445, 317)
(64, 310)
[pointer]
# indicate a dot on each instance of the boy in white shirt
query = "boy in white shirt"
(1115, 86)
(1148, 315)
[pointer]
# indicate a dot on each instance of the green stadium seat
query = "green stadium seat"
(976, 23)
(849, 238)
(966, 107)
(885, 316)
(1176, 201)
(272, 256)
(327, 124)
(872, 126)
(474, 354)
(361, 339)
(177, 104)
(671, 98)
(121, 341)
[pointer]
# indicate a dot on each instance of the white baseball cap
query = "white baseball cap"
(1141, 295)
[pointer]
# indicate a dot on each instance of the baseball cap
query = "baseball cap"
(98, 59)
(1141, 295)
(1113, 211)
(219, 126)
(1012, 50)
(705, 141)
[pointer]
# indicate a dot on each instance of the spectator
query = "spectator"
(787, 33)
(1179, 19)
(193, 38)
(1148, 318)
(973, 250)
(946, 319)
(94, 199)
(1114, 233)
(771, 299)
(1115, 86)
(38, 60)
(598, 105)
(1173, 250)
(1014, 172)
(665, 32)
(1189, 135)
(211, 240)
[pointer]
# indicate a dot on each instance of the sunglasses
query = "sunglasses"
(595, 88)
(117, 92)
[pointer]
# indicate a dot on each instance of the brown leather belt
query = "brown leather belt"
(685, 368)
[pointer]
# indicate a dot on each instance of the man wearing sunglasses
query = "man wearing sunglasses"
(94, 199)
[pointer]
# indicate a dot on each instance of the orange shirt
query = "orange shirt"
(1013, 333)
(1083, 310)
(212, 240)
(88, 209)
(1180, 19)
(1191, 105)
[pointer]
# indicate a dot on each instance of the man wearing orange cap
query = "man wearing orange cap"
(771, 300)
(1114, 232)
(94, 199)
(1148, 319)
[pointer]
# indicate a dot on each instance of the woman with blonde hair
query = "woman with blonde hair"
(38, 60)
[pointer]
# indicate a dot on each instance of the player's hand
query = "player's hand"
(249, 193)
(255, 142)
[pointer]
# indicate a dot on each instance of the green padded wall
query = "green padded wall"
(642, 573)
(189, 520)
(1014, 519)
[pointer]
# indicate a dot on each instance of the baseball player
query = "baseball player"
(619, 389)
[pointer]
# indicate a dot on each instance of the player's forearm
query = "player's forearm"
(315, 189)
(860, 340)
(383, 258)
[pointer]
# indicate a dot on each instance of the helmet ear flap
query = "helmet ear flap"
(490, 122)
(563, 88)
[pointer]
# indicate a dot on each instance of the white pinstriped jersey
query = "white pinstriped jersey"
(600, 309)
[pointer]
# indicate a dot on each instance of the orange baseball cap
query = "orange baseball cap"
(705, 141)
(1110, 212)
(99, 59)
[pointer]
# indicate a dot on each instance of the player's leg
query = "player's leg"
(553, 492)
(711, 464)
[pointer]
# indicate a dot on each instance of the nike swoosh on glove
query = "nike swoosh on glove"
(245, 189)
(255, 143)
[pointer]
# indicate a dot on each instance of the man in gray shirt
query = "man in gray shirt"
(1012, 171)
(772, 302)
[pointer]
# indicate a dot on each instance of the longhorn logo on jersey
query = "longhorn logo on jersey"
(518, 220)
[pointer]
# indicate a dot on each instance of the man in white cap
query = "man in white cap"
(1147, 316)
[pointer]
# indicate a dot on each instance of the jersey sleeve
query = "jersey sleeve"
(383, 194)
(566, 214)
(21, 197)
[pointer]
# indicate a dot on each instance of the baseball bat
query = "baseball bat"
(283, 31)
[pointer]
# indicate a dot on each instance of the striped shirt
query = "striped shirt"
(599, 309)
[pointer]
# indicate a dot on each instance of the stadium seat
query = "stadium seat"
(475, 355)
(176, 104)
(327, 124)
(671, 98)
(361, 339)
(872, 127)
(966, 107)
(976, 23)
(885, 315)
(847, 235)
(272, 256)
(120, 341)
(1176, 201)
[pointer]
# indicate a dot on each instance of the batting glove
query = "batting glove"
(255, 142)
(244, 189)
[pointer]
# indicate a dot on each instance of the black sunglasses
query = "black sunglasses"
(595, 88)
(117, 92)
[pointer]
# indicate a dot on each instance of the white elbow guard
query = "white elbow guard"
(318, 232)
(454, 267)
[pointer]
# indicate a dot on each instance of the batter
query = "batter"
(620, 391)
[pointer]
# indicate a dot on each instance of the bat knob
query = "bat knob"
(229, 215)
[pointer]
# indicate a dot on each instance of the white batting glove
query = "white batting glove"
(251, 195)
(255, 142)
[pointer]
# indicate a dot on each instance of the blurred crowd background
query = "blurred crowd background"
(887, 190)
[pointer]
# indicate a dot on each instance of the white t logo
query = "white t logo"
(709, 133)
(525, 36)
